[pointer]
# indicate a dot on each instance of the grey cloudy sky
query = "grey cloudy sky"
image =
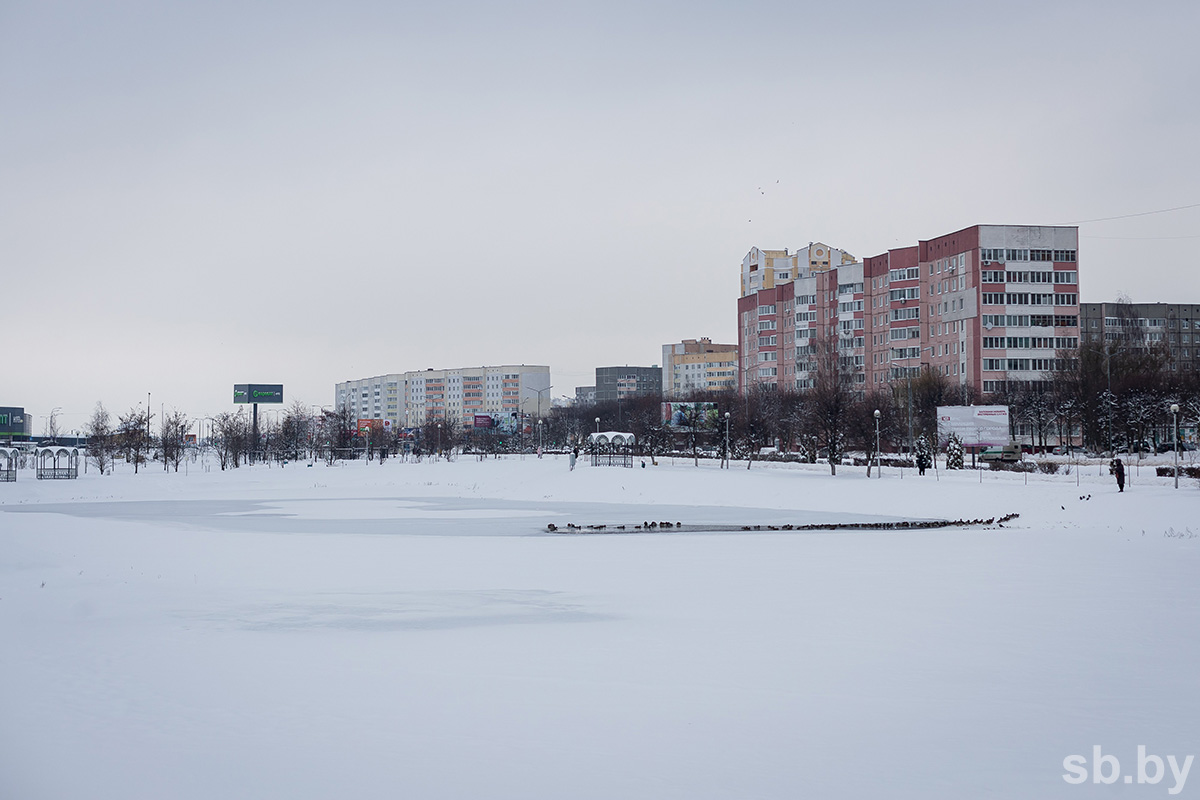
(193, 195)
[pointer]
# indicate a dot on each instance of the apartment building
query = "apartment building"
(698, 365)
(619, 383)
(410, 399)
(380, 397)
(986, 307)
(814, 296)
(1173, 327)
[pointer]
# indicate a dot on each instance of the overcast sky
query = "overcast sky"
(196, 195)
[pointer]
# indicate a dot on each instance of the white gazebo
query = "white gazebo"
(57, 462)
(8, 464)
(612, 448)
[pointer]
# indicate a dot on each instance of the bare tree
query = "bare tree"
(860, 423)
(231, 435)
(173, 444)
(832, 396)
(101, 444)
(134, 437)
(294, 432)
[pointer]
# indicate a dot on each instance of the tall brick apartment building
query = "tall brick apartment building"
(986, 307)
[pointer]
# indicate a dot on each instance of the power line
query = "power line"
(1127, 216)
(1141, 238)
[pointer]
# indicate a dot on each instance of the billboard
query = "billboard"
(258, 393)
(484, 421)
(685, 415)
(985, 426)
(366, 425)
(14, 421)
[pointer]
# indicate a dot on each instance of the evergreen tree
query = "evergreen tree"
(923, 453)
(954, 452)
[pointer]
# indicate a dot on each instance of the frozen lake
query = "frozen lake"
(411, 630)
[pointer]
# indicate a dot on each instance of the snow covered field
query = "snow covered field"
(412, 631)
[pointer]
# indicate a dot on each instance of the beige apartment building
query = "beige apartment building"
(698, 365)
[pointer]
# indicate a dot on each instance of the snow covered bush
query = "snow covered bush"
(954, 452)
(923, 453)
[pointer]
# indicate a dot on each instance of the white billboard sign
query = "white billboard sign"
(985, 426)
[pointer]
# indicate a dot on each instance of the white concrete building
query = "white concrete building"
(409, 399)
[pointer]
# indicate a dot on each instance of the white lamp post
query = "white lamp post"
(439, 442)
(539, 438)
(1175, 415)
(726, 465)
(878, 468)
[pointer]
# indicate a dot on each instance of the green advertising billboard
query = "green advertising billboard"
(258, 393)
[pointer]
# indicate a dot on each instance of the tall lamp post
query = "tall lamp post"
(439, 442)
(539, 394)
(878, 468)
(1175, 415)
(726, 459)
(539, 438)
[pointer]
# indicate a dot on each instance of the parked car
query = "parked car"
(1009, 452)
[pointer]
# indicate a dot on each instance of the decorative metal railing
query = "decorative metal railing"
(57, 473)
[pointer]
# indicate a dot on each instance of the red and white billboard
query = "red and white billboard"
(985, 426)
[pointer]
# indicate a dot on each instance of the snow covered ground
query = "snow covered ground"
(412, 630)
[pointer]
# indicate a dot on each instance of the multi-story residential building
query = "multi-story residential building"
(409, 399)
(698, 365)
(987, 307)
(1172, 327)
(381, 397)
(813, 297)
(765, 269)
(619, 383)
(585, 395)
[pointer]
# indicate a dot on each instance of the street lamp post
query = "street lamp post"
(597, 426)
(539, 394)
(878, 468)
(539, 438)
(726, 459)
(439, 441)
(1175, 415)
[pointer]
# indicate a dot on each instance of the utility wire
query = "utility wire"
(1127, 216)
(1140, 238)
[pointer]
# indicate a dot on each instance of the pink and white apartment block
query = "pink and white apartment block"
(987, 307)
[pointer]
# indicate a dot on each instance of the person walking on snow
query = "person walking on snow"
(574, 455)
(1119, 471)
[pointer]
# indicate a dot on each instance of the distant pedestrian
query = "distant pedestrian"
(1119, 471)
(574, 455)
